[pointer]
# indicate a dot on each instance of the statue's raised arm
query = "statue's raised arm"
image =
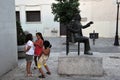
(87, 25)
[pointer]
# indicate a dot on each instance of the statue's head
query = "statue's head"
(77, 17)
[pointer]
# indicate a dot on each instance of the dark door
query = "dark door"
(62, 29)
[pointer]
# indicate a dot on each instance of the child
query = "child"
(44, 57)
(38, 47)
(29, 49)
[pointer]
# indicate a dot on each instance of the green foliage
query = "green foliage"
(64, 10)
(20, 34)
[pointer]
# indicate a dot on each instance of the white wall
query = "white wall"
(33, 2)
(8, 43)
(32, 27)
(47, 19)
(102, 12)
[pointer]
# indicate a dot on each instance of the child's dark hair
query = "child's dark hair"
(40, 34)
(47, 44)
(28, 37)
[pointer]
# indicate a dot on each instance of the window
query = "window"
(18, 16)
(33, 16)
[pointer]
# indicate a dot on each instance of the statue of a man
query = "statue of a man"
(75, 33)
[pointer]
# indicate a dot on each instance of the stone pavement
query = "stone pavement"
(103, 48)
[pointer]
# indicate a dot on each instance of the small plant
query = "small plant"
(20, 34)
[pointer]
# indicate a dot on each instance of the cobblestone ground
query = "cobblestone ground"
(103, 48)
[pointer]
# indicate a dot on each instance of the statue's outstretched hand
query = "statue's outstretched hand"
(91, 22)
(88, 24)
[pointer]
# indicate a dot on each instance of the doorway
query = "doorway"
(62, 29)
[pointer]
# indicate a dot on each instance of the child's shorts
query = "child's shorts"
(29, 58)
(42, 60)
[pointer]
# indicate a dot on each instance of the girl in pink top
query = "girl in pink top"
(38, 47)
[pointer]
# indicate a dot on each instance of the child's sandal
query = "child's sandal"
(41, 76)
(29, 75)
(49, 73)
(35, 67)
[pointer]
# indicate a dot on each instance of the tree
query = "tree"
(64, 10)
(20, 34)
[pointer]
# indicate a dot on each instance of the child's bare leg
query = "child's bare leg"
(40, 70)
(35, 60)
(28, 68)
(42, 73)
(46, 67)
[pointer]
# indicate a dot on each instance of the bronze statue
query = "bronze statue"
(75, 33)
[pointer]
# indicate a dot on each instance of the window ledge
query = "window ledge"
(33, 22)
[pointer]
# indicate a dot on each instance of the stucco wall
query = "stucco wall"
(46, 25)
(33, 2)
(101, 12)
(8, 44)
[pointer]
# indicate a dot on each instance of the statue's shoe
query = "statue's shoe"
(88, 53)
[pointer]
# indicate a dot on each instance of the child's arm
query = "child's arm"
(46, 51)
(28, 46)
(40, 43)
(27, 49)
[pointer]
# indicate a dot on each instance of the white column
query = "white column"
(22, 15)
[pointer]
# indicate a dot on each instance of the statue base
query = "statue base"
(83, 65)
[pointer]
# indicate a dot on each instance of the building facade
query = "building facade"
(8, 41)
(35, 16)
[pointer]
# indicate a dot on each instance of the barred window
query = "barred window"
(33, 16)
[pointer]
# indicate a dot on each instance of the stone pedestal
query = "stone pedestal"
(80, 65)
